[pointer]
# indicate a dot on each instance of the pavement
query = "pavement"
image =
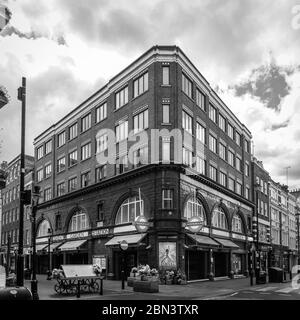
(222, 289)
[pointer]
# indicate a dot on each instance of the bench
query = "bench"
(78, 279)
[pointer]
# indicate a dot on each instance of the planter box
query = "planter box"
(145, 286)
(130, 280)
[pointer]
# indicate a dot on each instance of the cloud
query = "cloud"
(268, 83)
(280, 125)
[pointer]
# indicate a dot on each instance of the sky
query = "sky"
(248, 50)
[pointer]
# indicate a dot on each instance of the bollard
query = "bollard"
(78, 289)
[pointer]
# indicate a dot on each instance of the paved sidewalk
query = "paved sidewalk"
(112, 290)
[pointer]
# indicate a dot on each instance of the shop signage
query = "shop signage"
(238, 236)
(58, 238)
(194, 224)
(124, 245)
(77, 235)
(141, 224)
(100, 232)
(41, 240)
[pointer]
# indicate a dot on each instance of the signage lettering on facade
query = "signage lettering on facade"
(77, 235)
(100, 232)
(58, 238)
(238, 236)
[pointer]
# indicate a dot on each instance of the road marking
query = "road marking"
(266, 289)
(286, 290)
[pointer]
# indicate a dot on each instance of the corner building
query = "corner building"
(88, 207)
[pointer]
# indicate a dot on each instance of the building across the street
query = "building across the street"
(88, 205)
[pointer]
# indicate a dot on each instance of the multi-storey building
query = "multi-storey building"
(11, 206)
(88, 205)
(261, 218)
(292, 218)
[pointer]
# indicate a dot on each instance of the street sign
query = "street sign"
(141, 224)
(124, 245)
(195, 224)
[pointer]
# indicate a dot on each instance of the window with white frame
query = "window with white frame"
(200, 132)
(48, 194)
(200, 165)
(247, 146)
(85, 179)
(48, 170)
(194, 208)
(212, 143)
(140, 85)
(247, 193)
(231, 184)
(231, 158)
(73, 158)
(72, 184)
(121, 164)
(237, 224)
(61, 139)
(223, 179)
(48, 147)
(247, 169)
(166, 149)
(166, 113)
(40, 174)
(129, 210)
(101, 143)
(187, 85)
(238, 138)
(187, 157)
(140, 121)
(61, 164)
(43, 228)
(222, 123)
(238, 164)
(122, 131)
(212, 113)
(86, 151)
(101, 112)
(239, 188)
(167, 198)
(60, 189)
(86, 122)
(222, 151)
(121, 97)
(101, 173)
(79, 221)
(213, 173)
(166, 75)
(219, 219)
(187, 122)
(230, 130)
(140, 156)
(73, 131)
(40, 152)
(200, 99)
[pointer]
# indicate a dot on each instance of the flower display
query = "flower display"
(134, 270)
(57, 273)
(97, 269)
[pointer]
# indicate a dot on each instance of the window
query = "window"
(167, 199)
(43, 228)
(40, 175)
(121, 97)
(247, 146)
(47, 194)
(212, 143)
(61, 139)
(223, 179)
(72, 184)
(213, 173)
(247, 169)
(61, 164)
(79, 221)
(57, 221)
(222, 151)
(122, 131)
(100, 211)
(122, 164)
(200, 99)
(73, 158)
(166, 113)
(101, 112)
(194, 207)
(85, 179)
(166, 75)
(48, 170)
(219, 219)
(200, 132)
(166, 150)
(237, 224)
(73, 131)
(86, 122)
(231, 184)
(230, 131)
(238, 138)
(238, 164)
(60, 189)
(40, 152)
(140, 121)
(222, 123)
(140, 156)
(140, 85)
(48, 147)
(231, 158)
(86, 151)
(239, 188)
(200, 165)
(101, 173)
(187, 157)
(129, 210)
(212, 113)
(187, 122)
(101, 143)
(247, 193)
(27, 237)
(187, 85)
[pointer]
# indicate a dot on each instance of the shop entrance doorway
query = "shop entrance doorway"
(196, 264)
(221, 264)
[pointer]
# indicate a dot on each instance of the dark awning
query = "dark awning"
(72, 245)
(130, 238)
(203, 240)
(227, 243)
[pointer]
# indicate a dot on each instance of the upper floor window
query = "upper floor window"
(213, 173)
(72, 184)
(61, 140)
(230, 130)
(101, 173)
(86, 151)
(194, 207)
(200, 165)
(187, 157)
(222, 151)
(247, 193)
(86, 122)
(140, 121)
(223, 179)
(121, 97)
(79, 221)
(166, 75)
(43, 229)
(238, 138)
(140, 156)
(130, 209)
(122, 164)
(166, 149)
(187, 122)
(40, 175)
(237, 224)
(73, 158)
(61, 164)
(167, 199)
(239, 188)
(200, 132)
(238, 163)
(200, 99)
(231, 158)
(166, 113)
(85, 179)
(222, 123)
(47, 194)
(219, 219)
(40, 152)
(60, 189)
(247, 169)
(122, 131)
(73, 131)
(140, 85)
(247, 146)
(101, 143)
(187, 85)
(231, 184)
(48, 147)
(212, 113)
(212, 143)
(101, 112)
(48, 170)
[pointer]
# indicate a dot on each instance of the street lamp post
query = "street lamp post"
(49, 255)
(35, 200)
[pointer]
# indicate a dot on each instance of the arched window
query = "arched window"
(194, 207)
(219, 219)
(129, 210)
(237, 224)
(43, 228)
(79, 221)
